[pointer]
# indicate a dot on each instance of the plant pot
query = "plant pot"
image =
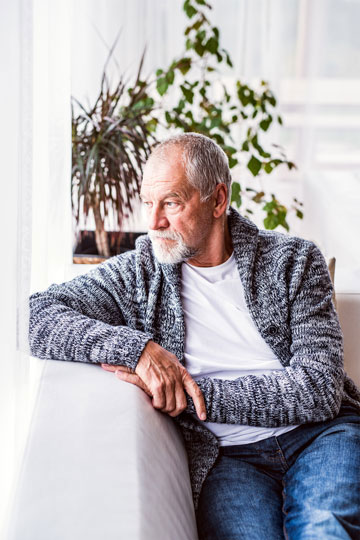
(86, 251)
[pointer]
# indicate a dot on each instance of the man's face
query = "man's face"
(179, 223)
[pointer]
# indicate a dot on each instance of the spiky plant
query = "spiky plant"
(110, 143)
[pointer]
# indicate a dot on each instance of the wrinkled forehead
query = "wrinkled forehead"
(166, 158)
(165, 168)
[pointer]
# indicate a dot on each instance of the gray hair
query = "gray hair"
(205, 163)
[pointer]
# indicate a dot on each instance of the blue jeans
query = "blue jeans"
(304, 484)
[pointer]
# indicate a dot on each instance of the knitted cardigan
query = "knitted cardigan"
(109, 314)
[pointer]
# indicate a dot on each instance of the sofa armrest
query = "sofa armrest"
(100, 462)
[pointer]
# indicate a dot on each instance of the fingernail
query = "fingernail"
(203, 416)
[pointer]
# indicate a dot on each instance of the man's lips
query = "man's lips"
(164, 238)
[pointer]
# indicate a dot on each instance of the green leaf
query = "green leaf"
(168, 117)
(159, 72)
(189, 10)
(218, 138)
(170, 76)
(228, 59)
(268, 167)
(264, 124)
(232, 162)
(162, 85)
(230, 150)
(254, 165)
(236, 194)
(188, 94)
(299, 214)
(199, 49)
(183, 65)
(271, 222)
(152, 125)
(197, 24)
(271, 99)
(279, 119)
(270, 206)
(212, 45)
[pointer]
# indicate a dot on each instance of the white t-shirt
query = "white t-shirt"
(221, 339)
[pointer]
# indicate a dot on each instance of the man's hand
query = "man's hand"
(160, 374)
(126, 374)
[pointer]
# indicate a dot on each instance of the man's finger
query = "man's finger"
(181, 402)
(194, 391)
(113, 369)
(133, 379)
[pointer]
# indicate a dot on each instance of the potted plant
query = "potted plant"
(110, 143)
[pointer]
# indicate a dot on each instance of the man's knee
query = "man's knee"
(317, 523)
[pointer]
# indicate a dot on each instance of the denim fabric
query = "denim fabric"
(304, 484)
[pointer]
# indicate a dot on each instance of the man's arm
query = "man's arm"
(83, 320)
(310, 388)
(93, 319)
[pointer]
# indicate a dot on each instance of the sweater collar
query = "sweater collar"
(244, 236)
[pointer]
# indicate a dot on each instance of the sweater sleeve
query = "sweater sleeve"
(91, 318)
(310, 388)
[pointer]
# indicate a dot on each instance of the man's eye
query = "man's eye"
(147, 203)
(171, 204)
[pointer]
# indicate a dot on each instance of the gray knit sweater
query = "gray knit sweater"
(109, 314)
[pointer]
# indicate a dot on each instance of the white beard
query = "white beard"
(170, 254)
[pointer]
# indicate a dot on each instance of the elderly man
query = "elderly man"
(231, 331)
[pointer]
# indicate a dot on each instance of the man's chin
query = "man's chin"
(165, 257)
(176, 255)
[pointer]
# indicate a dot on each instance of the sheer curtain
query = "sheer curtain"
(36, 214)
(310, 53)
(15, 216)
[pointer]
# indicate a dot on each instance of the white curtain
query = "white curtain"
(15, 216)
(35, 142)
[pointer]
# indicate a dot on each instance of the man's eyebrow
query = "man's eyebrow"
(170, 195)
(173, 195)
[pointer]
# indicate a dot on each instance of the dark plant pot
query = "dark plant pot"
(86, 251)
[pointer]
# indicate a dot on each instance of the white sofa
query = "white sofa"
(102, 464)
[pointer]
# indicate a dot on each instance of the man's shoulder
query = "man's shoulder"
(275, 240)
(249, 236)
(290, 258)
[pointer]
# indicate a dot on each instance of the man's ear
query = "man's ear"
(221, 195)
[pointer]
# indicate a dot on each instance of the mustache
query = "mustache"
(164, 234)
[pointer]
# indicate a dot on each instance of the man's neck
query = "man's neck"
(217, 251)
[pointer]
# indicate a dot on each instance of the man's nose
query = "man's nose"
(157, 219)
